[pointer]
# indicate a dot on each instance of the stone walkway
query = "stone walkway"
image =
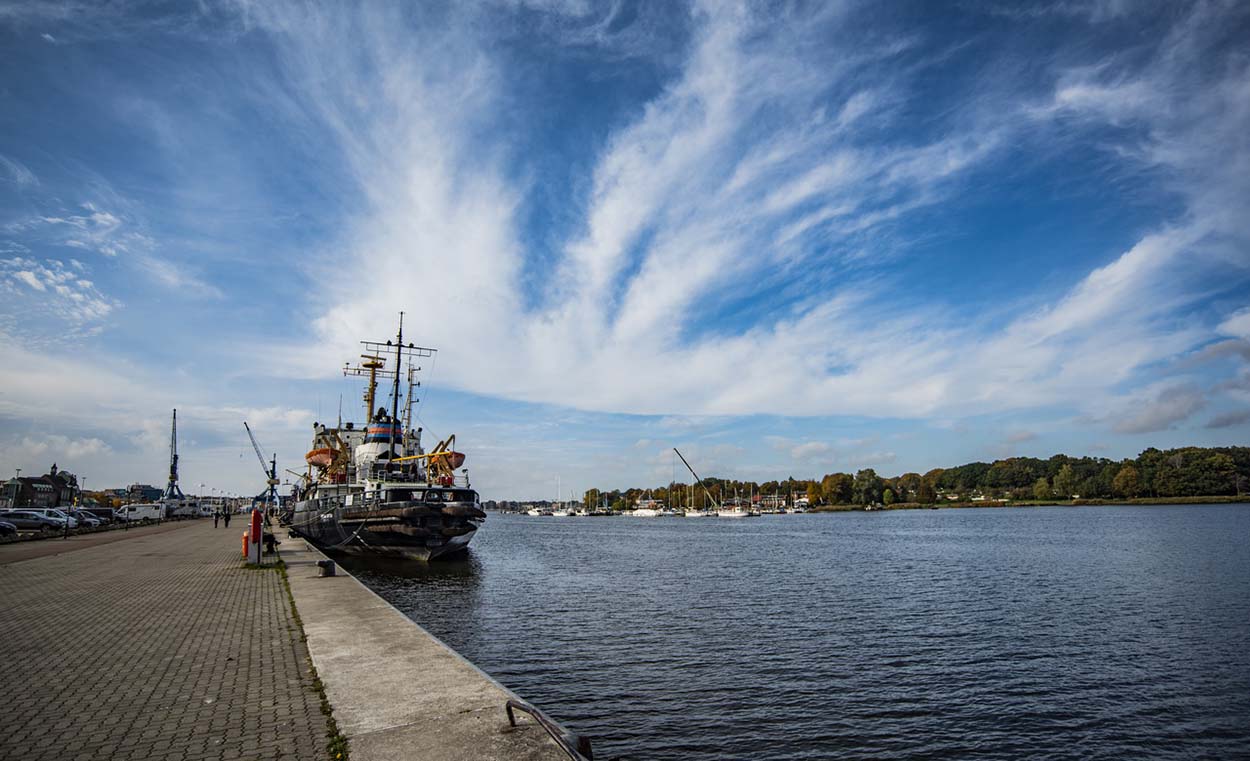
(152, 648)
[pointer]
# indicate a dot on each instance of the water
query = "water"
(1106, 632)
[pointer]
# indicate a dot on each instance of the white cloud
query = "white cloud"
(62, 446)
(17, 173)
(1167, 408)
(1237, 324)
(59, 291)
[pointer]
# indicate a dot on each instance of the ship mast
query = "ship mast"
(375, 353)
(399, 366)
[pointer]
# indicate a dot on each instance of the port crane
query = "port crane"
(270, 469)
(172, 492)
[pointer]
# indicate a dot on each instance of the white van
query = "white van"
(149, 511)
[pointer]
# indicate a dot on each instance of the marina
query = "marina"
(1055, 632)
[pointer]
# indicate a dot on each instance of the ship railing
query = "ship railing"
(575, 746)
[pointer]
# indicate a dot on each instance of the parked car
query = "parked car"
(105, 514)
(6, 528)
(84, 518)
(32, 520)
(56, 511)
(55, 514)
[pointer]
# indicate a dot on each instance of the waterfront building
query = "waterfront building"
(56, 488)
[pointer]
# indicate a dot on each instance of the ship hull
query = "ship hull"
(405, 530)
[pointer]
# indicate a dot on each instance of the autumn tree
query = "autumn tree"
(925, 493)
(836, 488)
(813, 492)
(1127, 482)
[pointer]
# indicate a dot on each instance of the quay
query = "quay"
(160, 644)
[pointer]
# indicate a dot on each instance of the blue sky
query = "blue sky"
(790, 238)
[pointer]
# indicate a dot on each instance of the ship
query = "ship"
(373, 489)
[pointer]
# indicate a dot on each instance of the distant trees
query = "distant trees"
(837, 488)
(1189, 471)
(925, 493)
(1064, 483)
(1127, 482)
(813, 492)
(1041, 489)
(866, 489)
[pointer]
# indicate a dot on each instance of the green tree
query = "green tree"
(866, 489)
(888, 496)
(1127, 482)
(1041, 489)
(1064, 485)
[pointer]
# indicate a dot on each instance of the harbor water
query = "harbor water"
(1095, 632)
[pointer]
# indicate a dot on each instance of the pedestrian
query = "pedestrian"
(216, 517)
(227, 516)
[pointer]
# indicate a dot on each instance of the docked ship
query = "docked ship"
(374, 490)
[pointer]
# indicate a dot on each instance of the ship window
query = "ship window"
(403, 495)
(433, 496)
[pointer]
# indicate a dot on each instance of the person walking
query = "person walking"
(216, 517)
(227, 517)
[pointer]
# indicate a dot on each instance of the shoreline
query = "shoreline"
(1141, 501)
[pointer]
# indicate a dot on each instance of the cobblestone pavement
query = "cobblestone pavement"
(158, 647)
(14, 552)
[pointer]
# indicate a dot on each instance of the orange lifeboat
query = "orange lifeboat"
(320, 458)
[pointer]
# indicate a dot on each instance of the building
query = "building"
(143, 493)
(56, 488)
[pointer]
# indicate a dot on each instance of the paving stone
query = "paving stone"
(141, 648)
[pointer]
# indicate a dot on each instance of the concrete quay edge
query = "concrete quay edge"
(397, 691)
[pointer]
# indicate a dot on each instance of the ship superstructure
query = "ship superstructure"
(374, 489)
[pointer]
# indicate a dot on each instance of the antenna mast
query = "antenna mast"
(375, 351)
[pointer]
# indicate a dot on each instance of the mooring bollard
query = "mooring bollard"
(325, 567)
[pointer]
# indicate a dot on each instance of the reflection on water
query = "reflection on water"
(381, 568)
(1109, 632)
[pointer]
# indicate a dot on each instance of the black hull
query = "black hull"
(404, 531)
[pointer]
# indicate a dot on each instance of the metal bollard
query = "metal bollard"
(325, 567)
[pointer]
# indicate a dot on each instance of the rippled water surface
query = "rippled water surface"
(1109, 632)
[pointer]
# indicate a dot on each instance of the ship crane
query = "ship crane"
(270, 469)
(172, 492)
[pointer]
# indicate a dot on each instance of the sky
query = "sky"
(788, 238)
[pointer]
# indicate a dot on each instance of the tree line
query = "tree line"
(1184, 472)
